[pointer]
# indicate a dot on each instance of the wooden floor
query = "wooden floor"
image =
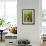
(2, 43)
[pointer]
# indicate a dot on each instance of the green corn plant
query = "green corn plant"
(1, 22)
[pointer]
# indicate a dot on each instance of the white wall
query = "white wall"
(31, 32)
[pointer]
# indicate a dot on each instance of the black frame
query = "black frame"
(33, 17)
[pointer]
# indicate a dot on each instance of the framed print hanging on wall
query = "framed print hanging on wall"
(28, 16)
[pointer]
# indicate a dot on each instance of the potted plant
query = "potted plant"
(1, 22)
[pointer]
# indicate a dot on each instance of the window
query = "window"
(1, 8)
(43, 16)
(11, 11)
(8, 11)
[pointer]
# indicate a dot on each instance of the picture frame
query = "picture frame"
(28, 16)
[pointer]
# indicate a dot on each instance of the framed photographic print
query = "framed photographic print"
(28, 16)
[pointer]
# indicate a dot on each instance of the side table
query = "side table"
(1, 34)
